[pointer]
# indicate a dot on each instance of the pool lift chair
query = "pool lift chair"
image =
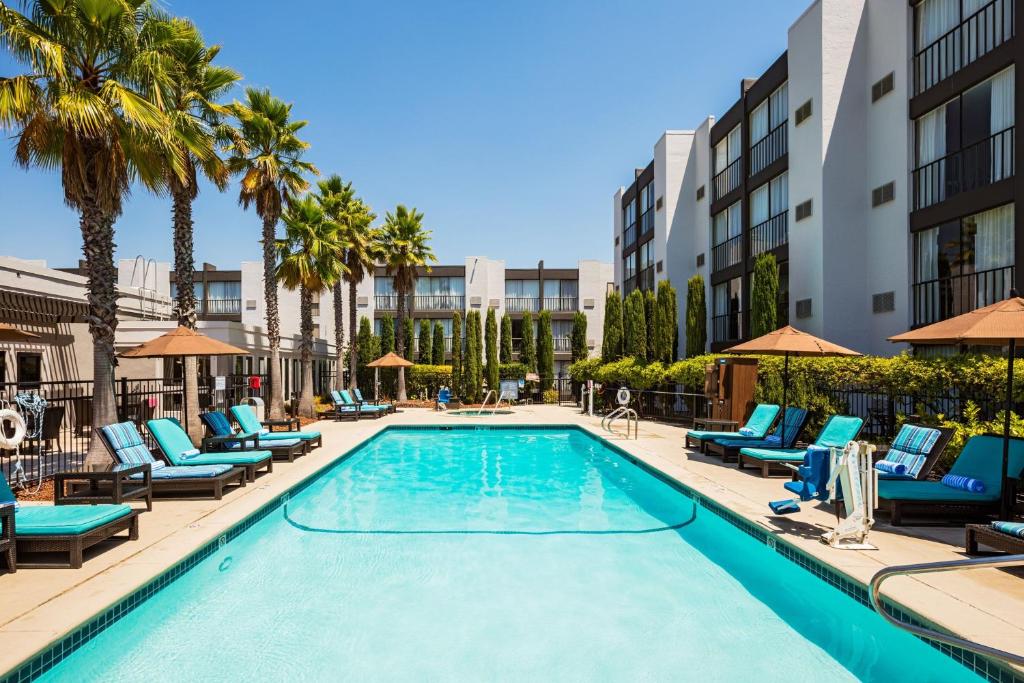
(837, 476)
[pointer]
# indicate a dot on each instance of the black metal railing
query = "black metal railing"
(977, 165)
(646, 221)
(976, 36)
(522, 304)
(769, 149)
(439, 302)
(727, 180)
(770, 234)
(559, 304)
(727, 326)
(728, 253)
(942, 298)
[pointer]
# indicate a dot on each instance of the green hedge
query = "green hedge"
(430, 377)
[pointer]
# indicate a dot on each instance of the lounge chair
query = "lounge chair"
(729, 449)
(363, 408)
(758, 424)
(70, 529)
(980, 459)
(345, 411)
(362, 401)
(125, 445)
(838, 430)
(247, 421)
(177, 448)
(221, 432)
(914, 452)
(1007, 537)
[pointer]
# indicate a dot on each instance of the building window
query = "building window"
(629, 223)
(647, 208)
(629, 272)
(770, 114)
(963, 265)
(30, 370)
(802, 113)
(727, 322)
(950, 34)
(726, 171)
(560, 295)
(769, 215)
(726, 229)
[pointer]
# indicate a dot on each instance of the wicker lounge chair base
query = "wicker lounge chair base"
(936, 513)
(197, 488)
(985, 535)
(767, 467)
(74, 546)
(8, 549)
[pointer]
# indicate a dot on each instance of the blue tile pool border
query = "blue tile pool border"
(38, 664)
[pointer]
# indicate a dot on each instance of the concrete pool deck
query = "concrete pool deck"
(39, 606)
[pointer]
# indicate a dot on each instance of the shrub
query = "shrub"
(664, 323)
(545, 351)
(550, 396)
(427, 379)
(764, 296)
(579, 336)
(457, 354)
(527, 350)
(696, 317)
(491, 349)
(506, 339)
(634, 322)
(425, 348)
(437, 350)
(512, 371)
(611, 337)
(471, 371)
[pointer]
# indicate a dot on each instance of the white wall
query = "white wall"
(593, 285)
(617, 229)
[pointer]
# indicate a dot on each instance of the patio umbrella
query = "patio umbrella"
(10, 333)
(388, 360)
(787, 341)
(996, 325)
(180, 343)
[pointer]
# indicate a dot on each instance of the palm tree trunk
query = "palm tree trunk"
(400, 342)
(353, 338)
(339, 338)
(306, 352)
(185, 303)
(275, 387)
(98, 246)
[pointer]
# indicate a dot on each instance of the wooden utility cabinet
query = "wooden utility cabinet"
(729, 388)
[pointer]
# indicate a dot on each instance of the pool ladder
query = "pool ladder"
(629, 414)
(927, 568)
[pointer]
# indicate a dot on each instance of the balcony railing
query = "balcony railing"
(448, 344)
(220, 306)
(769, 149)
(977, 165)
(559, 303)
(563, 344)
(646, 221)
(770, 234)
(943, 298)
(974, 37)
(727, 180)
(520, 304)
(728, 253)
(385, 302)
(439, 302)
(727, 327)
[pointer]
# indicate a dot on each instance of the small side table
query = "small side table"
(108, 483)
(290, 424)
(705, 422)
(8, 548)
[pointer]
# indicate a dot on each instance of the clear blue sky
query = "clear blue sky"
(509, 124)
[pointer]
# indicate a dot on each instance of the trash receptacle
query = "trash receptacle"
(257, 406)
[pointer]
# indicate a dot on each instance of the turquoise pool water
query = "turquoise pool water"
(521, 555)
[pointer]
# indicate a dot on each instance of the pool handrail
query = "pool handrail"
(931, 634)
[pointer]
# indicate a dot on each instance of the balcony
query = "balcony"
(769, 149)
(976, 36)
(219, 306)
(385, 302)
(559, 304)
(439, 302)
(727, 327)
(562, 344)
(943, 298)
(978, 165)
(646, 222)
(518, 304)
(727, 180)
(726, 254)
(771, 234)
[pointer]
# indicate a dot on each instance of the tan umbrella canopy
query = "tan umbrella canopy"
(182, 342)
(388, 360)
(787, 341)
(532, 377)
(10, 333)
(995, 325)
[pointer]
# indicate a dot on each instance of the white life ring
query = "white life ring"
(20, 429)
(623, 396)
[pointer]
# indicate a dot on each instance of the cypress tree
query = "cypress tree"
(506, 339)
(387, 345)
(471, 364)
(764, 296)
(437, 352)
(410, 336)
(579, 336)
(527, 351)
(674, 308)
(611, 337)
(634, 326)
(457, 378)
(368, 349)
(650, 304)
(696, 317)
(491, 337)
(664, 326)
(426, 352)
(545, 351)
(478, 354)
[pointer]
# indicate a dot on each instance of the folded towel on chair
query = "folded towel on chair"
(964, 483)
(747, 431)
(1011, 528)
(890, 467)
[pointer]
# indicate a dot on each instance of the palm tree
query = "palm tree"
(267, 152)
(404, 246)
(82, 107)
(361, 251)
(311, 260)
(190, 101)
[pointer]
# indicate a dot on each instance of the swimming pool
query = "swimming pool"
(498, 554)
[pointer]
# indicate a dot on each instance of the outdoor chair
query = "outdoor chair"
(914, 452)
(345, 411)
(729, 449)
(1007, 537)
(756, 428)
(177, 448)
(345, 402)
(363, 402)
(838, 430)
(220, 431)
(249, 424)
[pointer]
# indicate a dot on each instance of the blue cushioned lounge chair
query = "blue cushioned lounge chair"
(838, 430)
(981, 459)
(177, 448)
(248, 422)
(343, 410)
(222, 436)
(362, 401)
(1007, 537)
(729, 448)
(760, 421)
(364, 409)
(126, 446)
(914, 452)
(70, 529)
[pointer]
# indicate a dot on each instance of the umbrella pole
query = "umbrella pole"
(1005, 503)
(785, 387)
(376, 383)
(184, 396)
